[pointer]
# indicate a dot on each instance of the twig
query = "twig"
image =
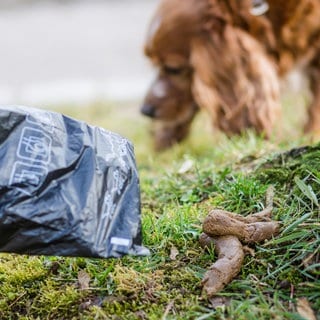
(168, 308)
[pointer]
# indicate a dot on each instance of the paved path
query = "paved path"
(74, 51)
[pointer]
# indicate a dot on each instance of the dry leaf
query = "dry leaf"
(311, 259)
(304, 309)
(186, 166)
(168, 308)
(173, 253)
(83, 279)
(219, 302)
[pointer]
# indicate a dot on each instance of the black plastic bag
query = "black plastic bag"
(66, 188)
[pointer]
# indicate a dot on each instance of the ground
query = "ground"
(230, 174)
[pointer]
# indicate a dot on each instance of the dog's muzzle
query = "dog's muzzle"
(148, 110)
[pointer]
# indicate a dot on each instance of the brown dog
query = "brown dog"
(227, 56)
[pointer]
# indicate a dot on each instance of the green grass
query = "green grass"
(232, 174)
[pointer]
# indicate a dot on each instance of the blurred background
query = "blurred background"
(73, 51)
(84, 58)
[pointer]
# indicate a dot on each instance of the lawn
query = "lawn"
(179, 187)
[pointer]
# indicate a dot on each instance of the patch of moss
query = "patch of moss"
(281, 169)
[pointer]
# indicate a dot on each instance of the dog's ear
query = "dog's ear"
(241, 77)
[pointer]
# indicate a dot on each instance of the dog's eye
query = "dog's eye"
(172, 70)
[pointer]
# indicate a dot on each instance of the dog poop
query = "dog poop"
(226, 231)
(230, 258)
(248, 229)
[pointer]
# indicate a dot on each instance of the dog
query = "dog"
(228, 58)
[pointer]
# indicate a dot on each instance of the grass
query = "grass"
(232, 174)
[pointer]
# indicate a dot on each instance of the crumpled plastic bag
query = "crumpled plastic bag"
(66, 188)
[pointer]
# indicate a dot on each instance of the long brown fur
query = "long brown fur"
(217, 55)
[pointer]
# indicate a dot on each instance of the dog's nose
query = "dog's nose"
(148, 110)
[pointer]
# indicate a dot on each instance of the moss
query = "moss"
(281, 169)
